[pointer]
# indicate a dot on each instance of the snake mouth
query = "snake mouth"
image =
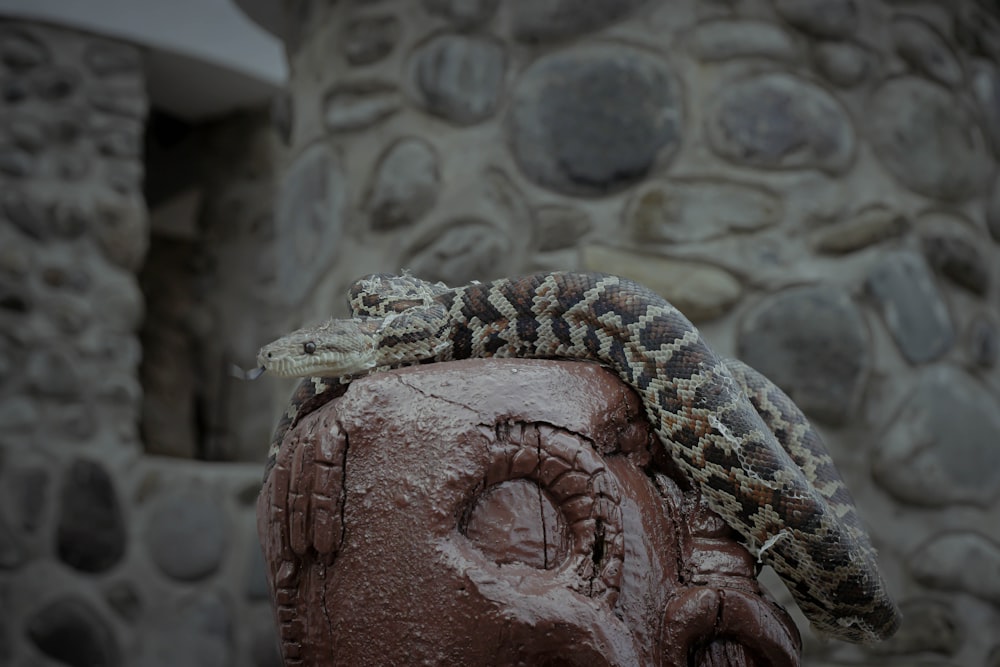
(243, 374)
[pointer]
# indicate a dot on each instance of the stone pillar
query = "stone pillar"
(811, 182)
(109, 556)
(73, 234)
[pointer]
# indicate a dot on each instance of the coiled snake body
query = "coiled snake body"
(733, 433)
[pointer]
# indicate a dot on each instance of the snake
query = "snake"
(732, 433)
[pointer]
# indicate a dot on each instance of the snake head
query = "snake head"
(334, 348)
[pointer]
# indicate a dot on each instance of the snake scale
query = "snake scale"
(734, 434)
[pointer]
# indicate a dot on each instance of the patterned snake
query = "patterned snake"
(734, 434)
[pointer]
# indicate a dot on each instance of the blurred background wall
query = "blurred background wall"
(811, 181)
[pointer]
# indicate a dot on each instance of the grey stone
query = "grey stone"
(728, 39)
(958, 259)
(27, 133)
(44, 366)
(406, 184)
(594, 120)
(985, 79)
(866, 227)
(120, 389)
(309, 219)
(71, 314)
(460, 77)
(72, 632)
(911, 306)
(692, 210)
(72, 167)
(64, 276)
(75, 422)
(124, 599)
(983, 341)
(198, 632)
(992, 213)
(931, 625)
(29, 496)
(21, 50)
(107, 59)
(121, 300)
(54, 84)
(120, 228)
(186, 535)
(561, 226)
(959, 561)
(17, 258)
(18, 414)
(359, 105)
(14, 90)
(369, 39)
(700, 291)
(944, 445)
(923, 48)
(16, 162)
(813, 343)
(125, 102)
(542, 20)
(843, 63)
(68, 128)
(24, 212)
(463, 13)
(68, 219)
(12, 555)
(780, 121)
(13, 302)
(820, 18)
(124, 177)
(466, 249)
(926, 139)
(90, 534)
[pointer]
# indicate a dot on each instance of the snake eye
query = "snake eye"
(309, 347)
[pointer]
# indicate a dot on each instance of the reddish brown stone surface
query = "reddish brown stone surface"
(502, 512)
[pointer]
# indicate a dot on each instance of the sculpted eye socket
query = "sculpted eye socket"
(309, 347)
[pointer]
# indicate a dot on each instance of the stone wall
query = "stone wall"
(109, 556)
(812, 182)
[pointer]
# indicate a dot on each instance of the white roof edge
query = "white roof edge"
(214, 32)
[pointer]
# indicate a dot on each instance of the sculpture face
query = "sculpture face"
(498, 512)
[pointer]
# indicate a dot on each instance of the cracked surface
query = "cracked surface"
(501, 512)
